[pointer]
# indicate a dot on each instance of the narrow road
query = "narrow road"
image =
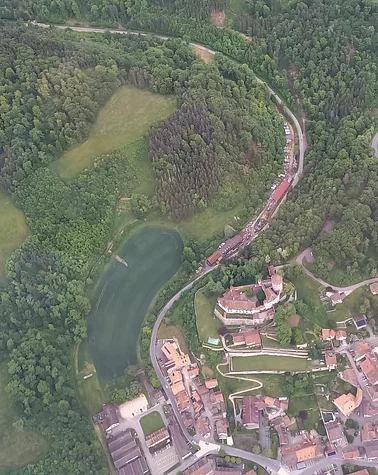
(266, 462)
(347, 290)
(374, 144)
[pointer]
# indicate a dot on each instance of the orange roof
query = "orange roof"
(193, 372)
(307, 453)
(367, 366)
(252, 337)
(328, 334)
(175, 376)
(211, 383)
(277, 279)
(351, 453)
(216, 256)
(341, 335)
(218, 397)
(169, 349)
(361, 472)
(269, 401)
(347, 403)
(177, 387)
(330, 358)
(368, 432)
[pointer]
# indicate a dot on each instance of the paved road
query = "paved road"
(305, 255)
(374, 144)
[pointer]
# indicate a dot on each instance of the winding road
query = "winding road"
(272, 465)
(307, 255)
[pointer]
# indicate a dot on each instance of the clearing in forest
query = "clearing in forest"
(13, 230)
(203, 54)
(218, 18)
(17, 447)
(126, 117)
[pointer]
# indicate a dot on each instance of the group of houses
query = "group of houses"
(204, 400)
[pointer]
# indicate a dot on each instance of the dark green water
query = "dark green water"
(124, 294)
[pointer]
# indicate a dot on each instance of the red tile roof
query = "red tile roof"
(281, 190)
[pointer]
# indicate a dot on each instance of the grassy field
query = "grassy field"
(17, 448)
(124, 293)
(267, 363)
(91, 389)
(13, 230)
(272, 384)
(351, 305)
(126, 117)
(173, 331)
(151, 422)
(308, 291)
(207, 324)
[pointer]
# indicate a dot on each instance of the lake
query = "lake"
(124, 294)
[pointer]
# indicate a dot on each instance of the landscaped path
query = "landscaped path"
(266, 462)
(307, 255)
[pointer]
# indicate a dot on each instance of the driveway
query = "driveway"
(264, 432)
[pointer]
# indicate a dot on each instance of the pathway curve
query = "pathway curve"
(305, 255)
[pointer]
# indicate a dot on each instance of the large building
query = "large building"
(252, 405)
(347, 403)
(126, 455)
(246, 302)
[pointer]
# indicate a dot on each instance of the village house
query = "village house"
(370, 410)
(372, 452)
(330, 360)
(368, 432)
(334, 433)
(158, 437)
(203, 427)
(211, 383)
(248, 338)
(108, 418)
(221, 427)
(328, 334)
(341, 335)
(347, 403)
(372, 392)
(350, 453)
(369, 367)
(294, 455)
(360, 350)
(361, 472)
(360, 321)
(204, 466)
(349, 375)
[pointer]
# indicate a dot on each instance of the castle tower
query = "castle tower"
(277, 283)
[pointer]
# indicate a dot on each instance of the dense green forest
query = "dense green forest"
(321, 56)
(224, 129)
(52, 85)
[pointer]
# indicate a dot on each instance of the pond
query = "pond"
(125, 291)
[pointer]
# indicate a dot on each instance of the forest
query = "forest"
(52, 85)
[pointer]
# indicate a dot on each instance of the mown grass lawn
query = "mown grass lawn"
(126, 117)
(13, 229)
(308, 291)
(151, 422)
(207, 324)
(17, 448)
(269, 363)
